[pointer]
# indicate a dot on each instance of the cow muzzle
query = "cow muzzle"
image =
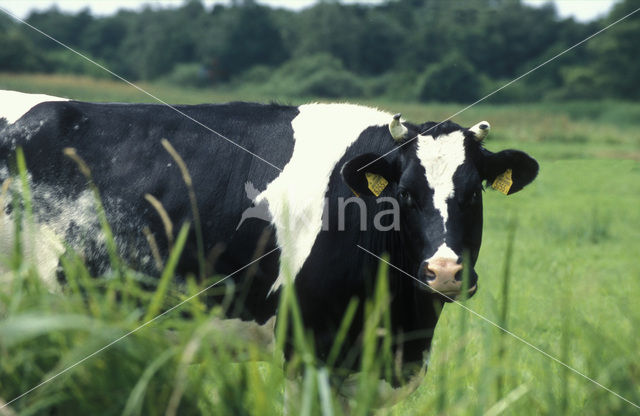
(443, 276)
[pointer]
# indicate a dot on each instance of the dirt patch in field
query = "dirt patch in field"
(619, 154)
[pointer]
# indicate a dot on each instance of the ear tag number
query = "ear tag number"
(503, 182)
(376, 183)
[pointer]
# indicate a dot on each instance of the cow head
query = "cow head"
(437, 174)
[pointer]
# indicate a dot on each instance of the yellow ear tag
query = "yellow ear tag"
(376, 183)
(503, 182)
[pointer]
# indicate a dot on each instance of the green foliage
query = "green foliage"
(158, 41)
(331, 84)
(451, 80)
(615, 69)
(253, 39)
(377, 45)
(188, 75)
(335, 32)
(19, 54)
(510, 35)
(397, 86)
(68, 28)
(579, 83)
(607, 63)
(517, 92)
(65, 63)
(318, 75)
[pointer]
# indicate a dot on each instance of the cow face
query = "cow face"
(438, 180)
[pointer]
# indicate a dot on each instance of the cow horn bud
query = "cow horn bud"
(480, 130)
(398, 130)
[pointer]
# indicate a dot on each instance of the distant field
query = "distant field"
(606, 129)
(573, 290)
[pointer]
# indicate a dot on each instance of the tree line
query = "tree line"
(427, 50)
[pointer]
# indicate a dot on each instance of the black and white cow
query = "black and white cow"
(430, 215)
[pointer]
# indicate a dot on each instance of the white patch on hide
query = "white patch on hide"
(322, 134)
(14, 104)
(43, 241)
(41, 247)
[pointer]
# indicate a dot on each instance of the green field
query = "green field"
(573, 284)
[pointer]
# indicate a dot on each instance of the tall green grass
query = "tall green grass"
(548, 281)
(566, 279)
(572, 287)
(105, 346)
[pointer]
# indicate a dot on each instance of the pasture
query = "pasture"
(558, 268)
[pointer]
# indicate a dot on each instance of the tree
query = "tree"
(510, 37)
(330, 28)
(615, 64)
(66, 28)
(252, 39)
(365, 49)
(379, 44)
(17, 53)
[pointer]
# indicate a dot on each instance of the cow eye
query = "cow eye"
(405, 196)
(472, 198)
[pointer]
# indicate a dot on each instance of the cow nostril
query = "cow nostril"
(458, 276)
(443, 268)
(428, 273)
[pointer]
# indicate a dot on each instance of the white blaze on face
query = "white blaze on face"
(322, 134)
(443, 252)
(441, 158)
(14, 104)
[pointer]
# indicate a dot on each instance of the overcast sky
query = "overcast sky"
(583, 10)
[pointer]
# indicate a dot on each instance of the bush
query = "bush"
(303, 67)
(189, 75)
(259, 74)
(331, 84)
(578, 83)
(397, 86)
(520, 91)
(66, 62)
(451, 80)
(318, 75)
(18, 53)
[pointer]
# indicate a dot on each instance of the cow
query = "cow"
(283, 184)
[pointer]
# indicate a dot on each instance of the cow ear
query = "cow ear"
(368, 174)
(508, 171)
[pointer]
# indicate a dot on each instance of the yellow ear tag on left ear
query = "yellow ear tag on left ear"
(503, 182)
(376, 183)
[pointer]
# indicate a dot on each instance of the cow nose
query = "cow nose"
(441, 276)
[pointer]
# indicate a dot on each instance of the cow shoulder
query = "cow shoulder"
(322, 135)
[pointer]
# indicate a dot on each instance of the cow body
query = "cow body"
(433, 184)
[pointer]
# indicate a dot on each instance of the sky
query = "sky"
(582, 10)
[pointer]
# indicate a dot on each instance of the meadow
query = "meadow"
(558, 269)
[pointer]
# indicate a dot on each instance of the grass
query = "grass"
(573, 282)
(574, 278)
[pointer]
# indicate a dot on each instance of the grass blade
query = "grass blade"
(136, 398)
(167, 274)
